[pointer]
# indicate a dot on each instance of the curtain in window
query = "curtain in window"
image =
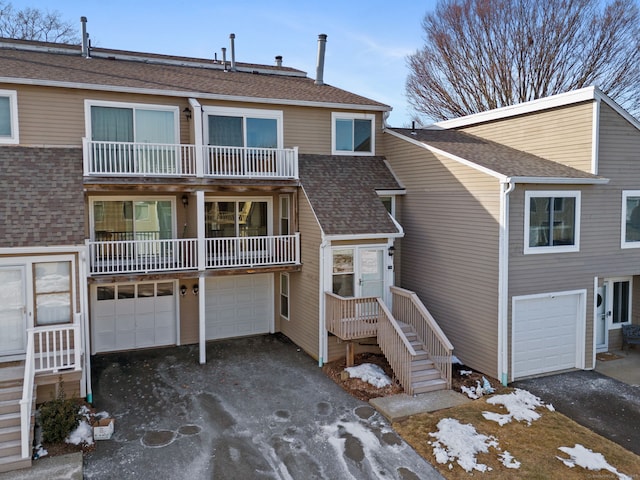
(53, 292)
(155, 126)
(5, 117)
(262, 132)
(112, 124)
(226, 131)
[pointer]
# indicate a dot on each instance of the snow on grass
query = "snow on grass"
(455, 441)
(83, 434)
(370, 373)
(520, 404)
(508, 461)
(585, 458)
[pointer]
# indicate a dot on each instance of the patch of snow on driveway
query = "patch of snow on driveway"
(583, 457)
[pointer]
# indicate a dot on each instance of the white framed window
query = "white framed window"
(132, 122)
(242, 127)
(551, 221)
(238, 217)
(352, 133)
(52, 292)
(130, 218)
(389, 202)
(284, 295)
(9, 117)
(630, 224)
(285, 224)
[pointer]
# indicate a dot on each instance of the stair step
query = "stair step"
(14, 462)
(424, 364)
(429, 386)
(10, 419)
(10, 433)
(10, 447)
(424, 375)
(11, 393)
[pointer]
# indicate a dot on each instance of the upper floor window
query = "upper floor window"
(552, 222)
(352, 133)
(8, 117)
(630, 233)
(236, 127)
(389, 202)
(133, 123)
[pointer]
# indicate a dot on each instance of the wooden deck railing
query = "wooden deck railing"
(408, 308)
(397, 350)
(351, 318)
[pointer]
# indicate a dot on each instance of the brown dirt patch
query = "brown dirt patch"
(535, 446)
(359, 388)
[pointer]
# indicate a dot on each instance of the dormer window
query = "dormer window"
(352, 134)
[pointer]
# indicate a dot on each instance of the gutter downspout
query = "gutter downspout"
(506, 187)
(322, 329)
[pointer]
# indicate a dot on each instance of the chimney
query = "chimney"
(85, 38)
(224, 58)
(278, 60)
(322, 42)
(232, 37)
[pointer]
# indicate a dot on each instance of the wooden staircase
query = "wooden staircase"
(11, 385)
(424, 376)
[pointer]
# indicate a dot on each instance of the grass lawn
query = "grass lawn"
(535, 446)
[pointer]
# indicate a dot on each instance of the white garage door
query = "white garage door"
(546, 332)
(130, 316)
(238, 305)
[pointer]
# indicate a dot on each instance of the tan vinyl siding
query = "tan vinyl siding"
(450, 215)
(304, 286)
(600, 254)
(562, 134)
(189, 319)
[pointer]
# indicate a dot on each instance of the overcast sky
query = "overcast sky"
(367, 43)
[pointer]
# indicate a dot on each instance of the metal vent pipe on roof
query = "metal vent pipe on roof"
(224, 58)
(278, 60)
(85, 38)
(322, 42)
(232, 38)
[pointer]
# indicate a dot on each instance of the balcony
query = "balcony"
(152, 255)
(126, 159)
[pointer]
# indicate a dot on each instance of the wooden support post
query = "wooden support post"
(350, 354)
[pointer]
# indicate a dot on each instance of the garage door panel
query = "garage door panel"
(238, 306)
(545, 333)
(141, 321)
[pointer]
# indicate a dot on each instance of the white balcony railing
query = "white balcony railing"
(49, 350)
(141, 256)
(239, 162)
(135, 159)
(252, 251)
(159, 159)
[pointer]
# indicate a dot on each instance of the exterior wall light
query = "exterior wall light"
(392, 250)
(183, 290)
(196, 289)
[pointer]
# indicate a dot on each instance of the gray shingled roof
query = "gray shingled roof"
(43, 66)
(42, 197)
(493, 156)
(342, 192)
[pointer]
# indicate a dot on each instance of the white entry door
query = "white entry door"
(614, 310)
(13, 316)
(370, 272)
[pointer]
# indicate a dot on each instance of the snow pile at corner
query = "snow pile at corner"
(520, 404)
(462, 442)
(588, 459)
(370, 373)
(82, 434)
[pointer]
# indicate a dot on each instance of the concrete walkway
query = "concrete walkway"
(259, 408)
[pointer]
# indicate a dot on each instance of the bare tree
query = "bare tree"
(483, 54)
(34, 24)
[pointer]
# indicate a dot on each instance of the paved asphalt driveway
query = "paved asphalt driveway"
(259, 409)
(603, 404)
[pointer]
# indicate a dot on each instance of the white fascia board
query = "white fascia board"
(559, 180)
(386, 193)
(559, 100)
(188, 94)
(41, 250)
(363, 236)
(451, 156)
